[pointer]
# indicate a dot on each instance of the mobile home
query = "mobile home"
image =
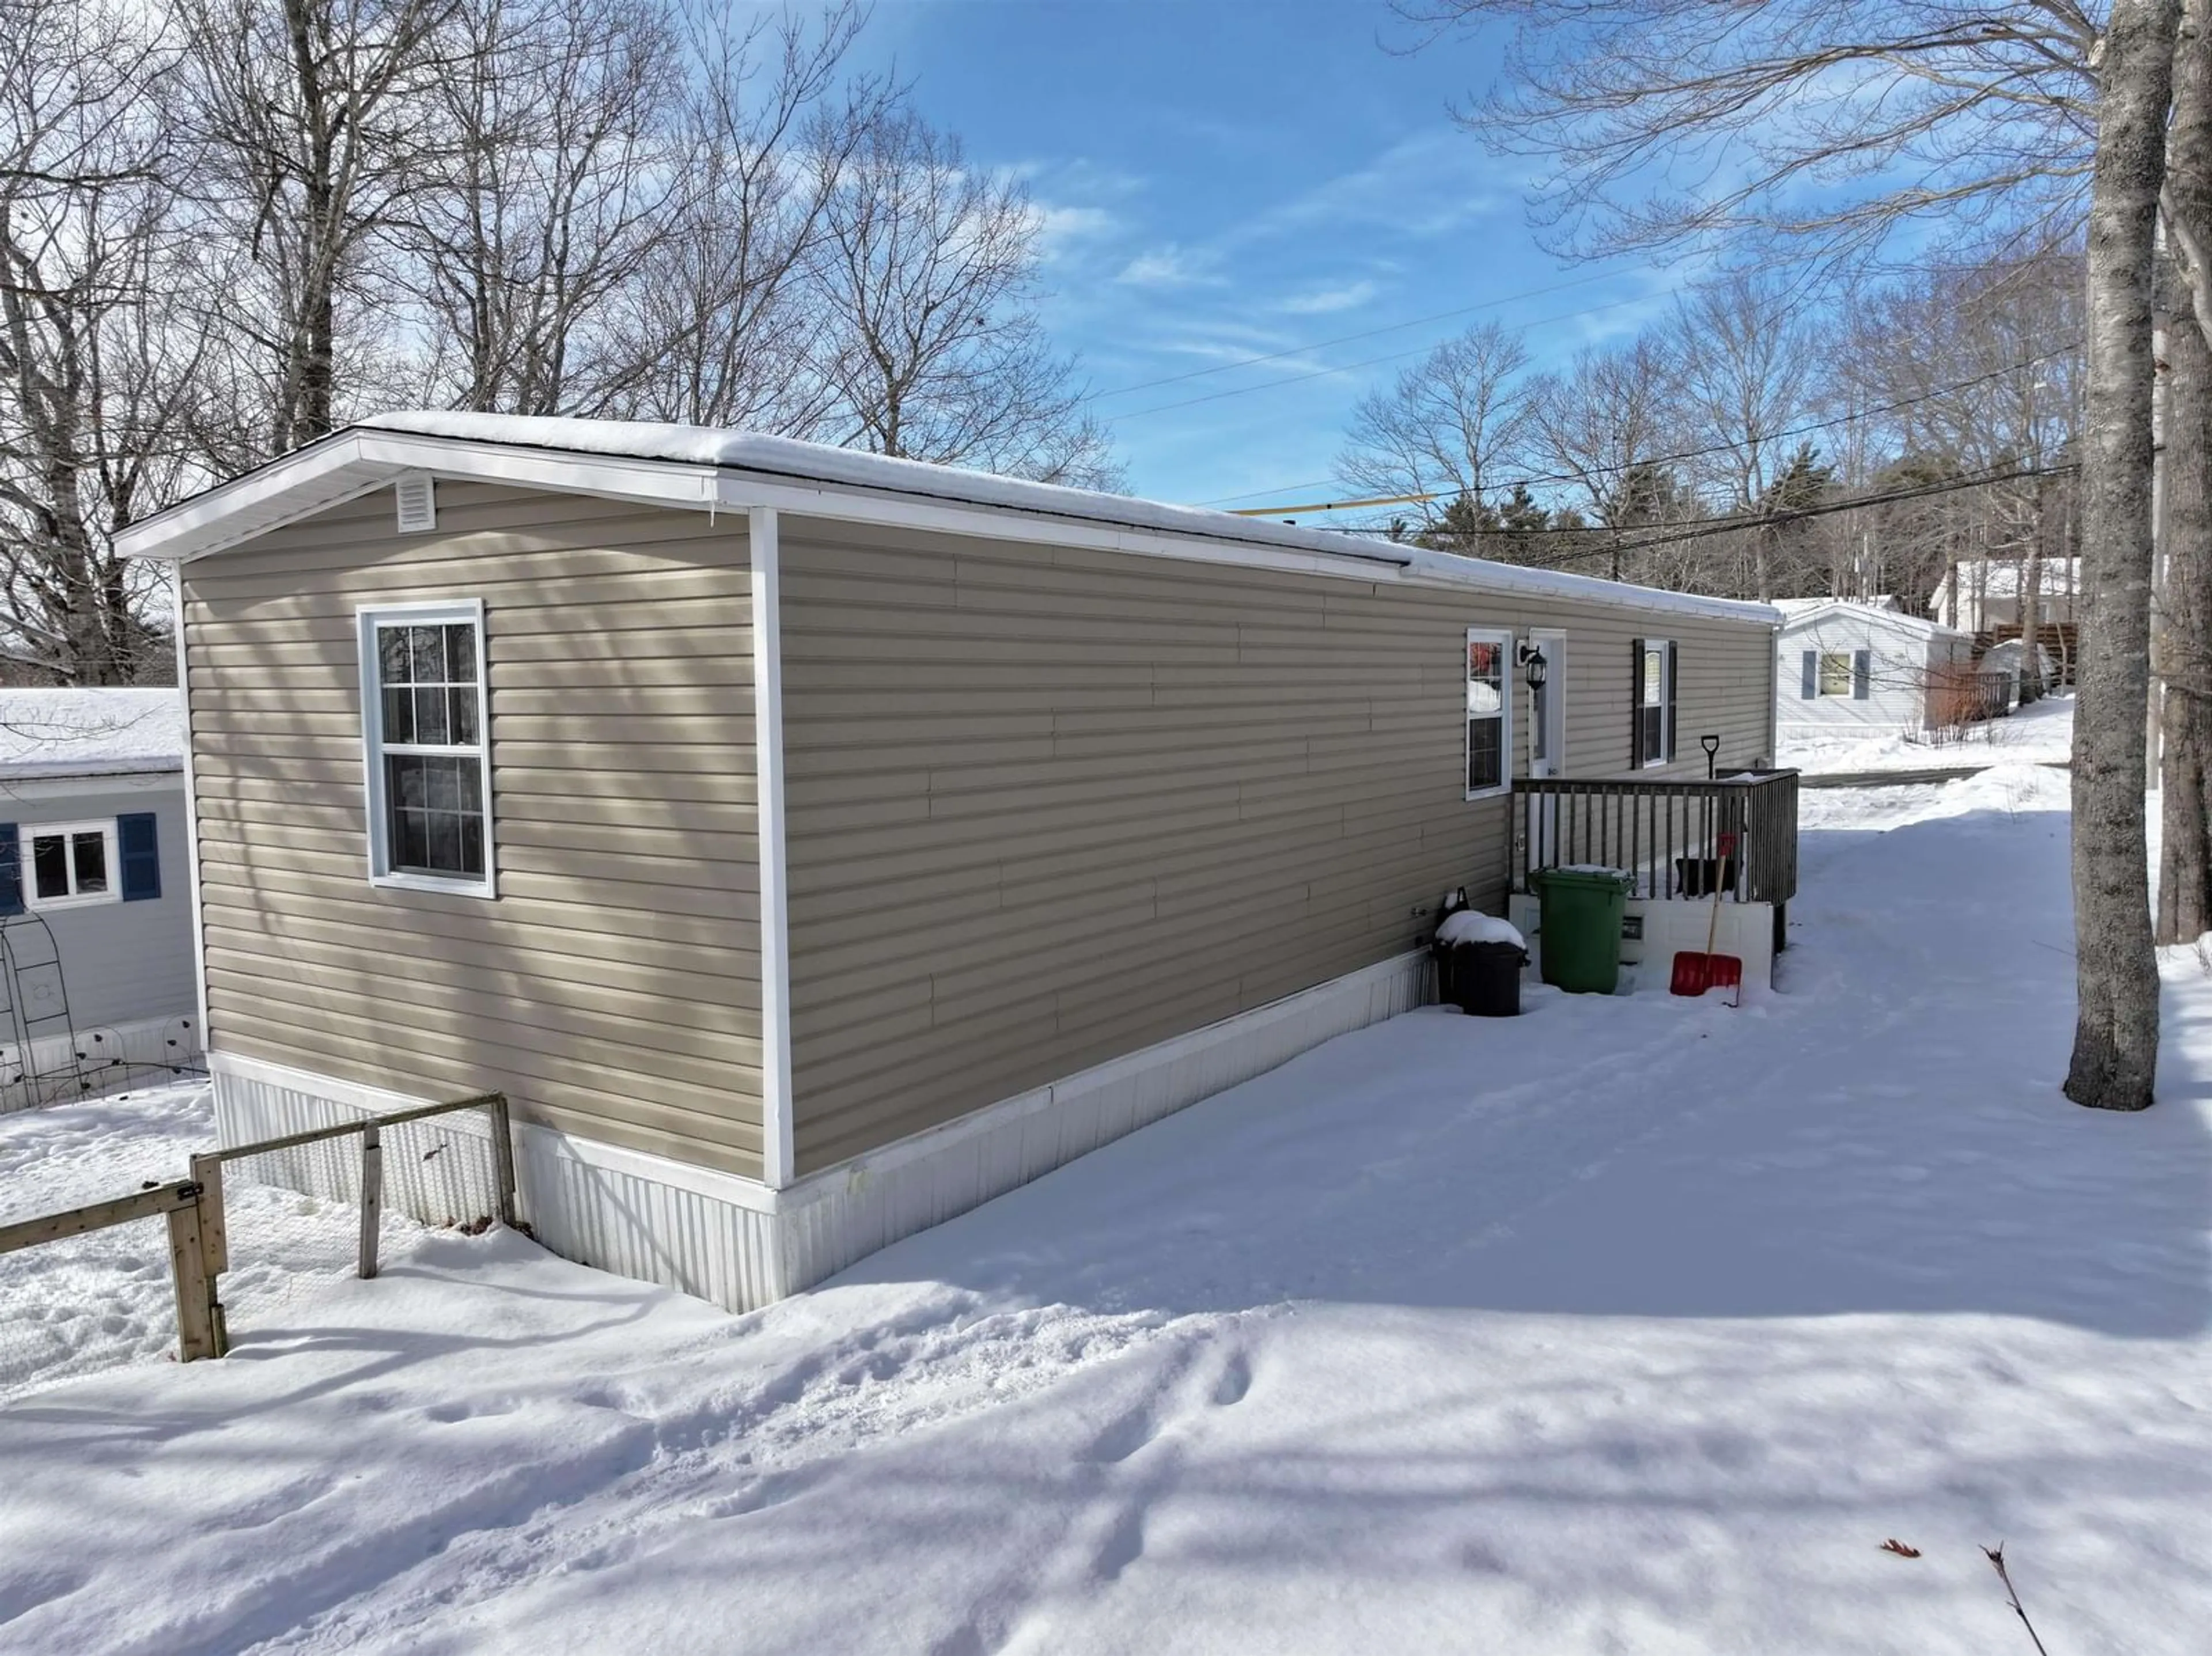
(814, 844)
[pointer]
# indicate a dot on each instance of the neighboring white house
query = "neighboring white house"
(97, 966)
(1982, 595)
(1844, 664)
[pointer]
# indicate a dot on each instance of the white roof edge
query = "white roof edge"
(699, 469)
(62, 770)
(1920, 624)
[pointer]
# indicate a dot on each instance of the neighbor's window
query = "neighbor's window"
(71, 865)
(1654, 708)
(429, 774)
(1835, 672)
(1489, 712)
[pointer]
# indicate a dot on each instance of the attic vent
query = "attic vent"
(418, 506)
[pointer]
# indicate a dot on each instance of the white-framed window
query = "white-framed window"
(1835, 672)
(70, 865)
(1489, 712)
(1653, 693)
(425, 747)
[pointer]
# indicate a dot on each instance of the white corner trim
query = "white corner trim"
(764, 555)
(191, 796)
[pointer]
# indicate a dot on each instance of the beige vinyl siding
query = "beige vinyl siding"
(612, 989)
(1045, 806)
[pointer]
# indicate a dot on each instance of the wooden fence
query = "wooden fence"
(199, 1240)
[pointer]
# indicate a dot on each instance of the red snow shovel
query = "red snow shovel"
(1695, 973)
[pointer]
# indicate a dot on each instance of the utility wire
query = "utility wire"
(1806, 429)
(1699, 529)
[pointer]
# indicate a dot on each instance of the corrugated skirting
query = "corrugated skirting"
(741, 1245)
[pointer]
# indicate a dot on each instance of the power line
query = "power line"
(1699, 529)
(1806, 429)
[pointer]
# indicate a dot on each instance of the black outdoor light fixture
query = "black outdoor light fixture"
(1711, 744)
(1532, 665)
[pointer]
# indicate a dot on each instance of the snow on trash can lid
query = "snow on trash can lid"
(1467, 925)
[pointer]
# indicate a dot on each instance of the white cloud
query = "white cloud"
(1321, 302)
(1168, 266)
(1060, 228)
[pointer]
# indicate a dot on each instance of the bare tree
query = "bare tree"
(308, 118)
(2116, 1019)
(1834, 124)
(1744, 360)
(928, 273)
(97, 356)
(1449, 426)
(542, 195)
(721, 327)
(2185, 878)
(1592, 425)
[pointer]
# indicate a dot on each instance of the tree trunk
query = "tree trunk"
(2184, 868)
(2115, 1059)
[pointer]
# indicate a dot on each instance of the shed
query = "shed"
(97, 966)
(814, 844)
(1844, 664)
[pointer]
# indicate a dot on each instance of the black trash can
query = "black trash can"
(1483, 980)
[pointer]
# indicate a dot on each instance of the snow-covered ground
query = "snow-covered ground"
(1630, 1325)
(2040, 732)
(106, 1298)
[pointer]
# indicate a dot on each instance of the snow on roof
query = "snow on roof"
(1798, 606)
(1801, 612)
(1996, 577)
(56, 733)
(785, 456)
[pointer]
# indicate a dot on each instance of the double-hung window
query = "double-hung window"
(428, 750)
(1489, 712)
(1835, 672)
(69, 864)
(1651, 692)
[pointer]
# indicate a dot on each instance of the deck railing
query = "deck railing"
(1677, 837)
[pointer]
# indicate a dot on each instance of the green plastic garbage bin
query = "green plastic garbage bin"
(1582, 911)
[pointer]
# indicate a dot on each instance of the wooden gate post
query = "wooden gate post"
(215, 1245)
(372, 1197)
(188, 1265)
(502, 1158)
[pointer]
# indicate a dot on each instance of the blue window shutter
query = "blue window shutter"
(1635, 704)
(1812, 679)
(1861, 672)
(138, 848)
(11, 869)
(1668, 738)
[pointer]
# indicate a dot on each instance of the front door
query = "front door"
(1548, 706)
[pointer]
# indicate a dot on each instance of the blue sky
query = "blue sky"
(1228, 179)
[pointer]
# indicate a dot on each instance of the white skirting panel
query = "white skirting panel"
(847, 1212)
(742, 1245)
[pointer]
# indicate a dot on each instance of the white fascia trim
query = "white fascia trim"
(192, 798)
(990, 1117)
(840, 503)
(740, 492)
(376, 457)
(763, 555)
(374, 460)
(734, 1188)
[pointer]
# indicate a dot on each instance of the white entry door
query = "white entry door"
(1548, 709)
